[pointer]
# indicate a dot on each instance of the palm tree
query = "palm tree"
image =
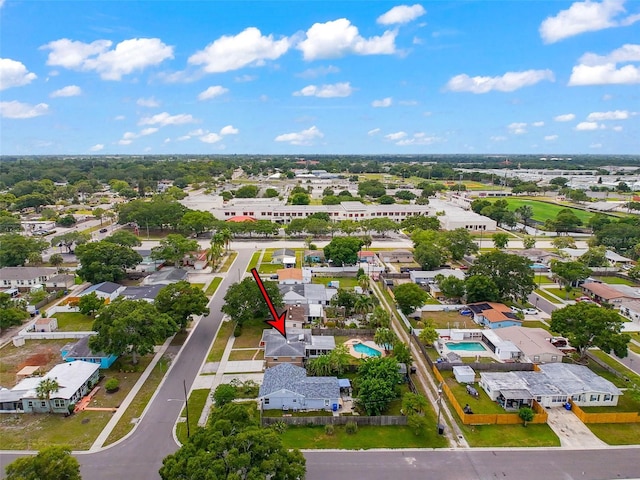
(363, 305)
(213, 255)
(45, 388)
(56, 260)
(363, 281)
(385, 338)
(226, 237)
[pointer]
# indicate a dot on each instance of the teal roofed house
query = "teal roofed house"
(81, 351)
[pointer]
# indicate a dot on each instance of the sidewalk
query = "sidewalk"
(106, 431)
(212, 381)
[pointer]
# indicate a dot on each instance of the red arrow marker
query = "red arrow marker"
(278, 321)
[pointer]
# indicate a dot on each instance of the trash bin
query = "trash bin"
(567, 406)
(440, 429)
(335, 407)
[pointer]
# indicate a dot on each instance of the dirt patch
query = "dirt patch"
(43, 353)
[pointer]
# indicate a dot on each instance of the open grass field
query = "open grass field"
(617, 433)
(213, 286)
(253, 263)
(345, 282)
(215, 354)
(546, 296)
(562, 293)
(543, 211)
(73, 322)
(365, 438)
(269, 268)
(197, 399)
(510, 436)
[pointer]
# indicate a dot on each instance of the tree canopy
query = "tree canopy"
(243, 301)
(409, 297)
(181, 301)
(377, 382)
(173, 248)
(16, 248)
(11, 313)
(51, 463)
(510, 273)
(104, 261)
(343, 250)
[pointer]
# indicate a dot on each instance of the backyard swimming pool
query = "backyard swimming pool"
(466, 346)
(367, 350)
(539, 266)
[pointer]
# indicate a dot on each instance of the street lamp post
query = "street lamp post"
(439, 427)
(186, 405)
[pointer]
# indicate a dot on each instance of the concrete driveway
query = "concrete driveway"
(571, 431)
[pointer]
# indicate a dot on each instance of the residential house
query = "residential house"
(23, 278)
(46, 325)
(314, 256)
(612, 257)
(505, 350)
(494, 315)
(284, 256)
(287, 387)
(631, 309)
(142, 292)
(80, 351)
(309, 293)
(76, 379)
(296, 348)
(426, 277)
(147, 264)
(296, 316)
(367, 256)
(534, 343)
(166, 276)
(397, 256)
(551, 386)
(289, 276)
(61, 281)
(601, 292)
(197, 260)
(108, 291)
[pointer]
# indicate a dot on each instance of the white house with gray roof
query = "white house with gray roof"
(309, 293)
(296, 348)
(23, 278)
(287, 387)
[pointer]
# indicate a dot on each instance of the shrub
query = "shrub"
(353, 325)
(279, 426)
(223, 394)
(351, 428)
(237, 331)
(328, 429)
(330, 324)
(71, 407)
(112, 385)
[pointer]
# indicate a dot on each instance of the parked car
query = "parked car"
(531, 311)
(103, 230)
(466, 312)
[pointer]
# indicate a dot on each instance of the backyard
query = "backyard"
(74, 322)
(45, 353)
(443, 319)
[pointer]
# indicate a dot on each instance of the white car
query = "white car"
(530, 311)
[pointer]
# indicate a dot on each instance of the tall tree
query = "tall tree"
(385, 338)
(459, 242)
(45, 388)
(587, 325)
(90, 304)
(15, 249)
(377, 382)
(56, 260)
(130, 326)
(105, 262)
(11, 313)
(500, 240)
(570, 272)
(51, 463)
(70, 239)
(409, 297)
(181, 301)
(451, 287)
(197, 222)
(124, 238)
(481, 289)
(174, 248)
(243, 301)
(510, 273)
(343, 250)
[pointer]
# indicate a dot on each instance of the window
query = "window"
(43, 404)
(554, 358)
(295, 400)
(594, 398)
(538, 399)
(536, 358)
(266, 401)
(58, 403)
(30, 403)
(607, 398)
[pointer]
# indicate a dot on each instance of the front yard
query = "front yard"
(538, 435)
(617, 433)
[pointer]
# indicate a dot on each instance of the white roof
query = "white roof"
(70, 376)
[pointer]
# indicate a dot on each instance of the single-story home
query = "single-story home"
(287, 387)
(367, 256)
(296, 348)
(534, 343)
(314, 256)
(296, 316)
(60, 281)
(76, 379)
(397, 256)
(309, 293)
(552, 386)
(425, 277)
(108, 291)
(197, 260)
(80, 351)
(494, 315)
(293, 276)
(23, 278)
(611, 256)
(142, 292)
(46, 325)
(147, 264)
(166, 276)
(505, 350)
(601, 292)
(284, 256)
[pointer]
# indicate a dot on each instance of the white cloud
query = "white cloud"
(401, 14)
(164, 119)
(584, 17)
(1, 3)
(68, 91)
(593, 69)
(613, 115)
(396, 136)
(408, 103)
(582, 126)
(183, 138)
(508, 82)
(326, 91)
(517, 128)
(167, 140)
(229, 130)
(567, 117)
(595, 145)
(128, 137)
(318, 72)
(617, 128)
(385, 102)
(373, 131)
(21, 110)
(550, 138)
(338, 38)
(119, 117)
(197, 132)
(148, 131)
(148, 102)
(245, 78)
(305, 137)
(498, 138)
(14, 74)
(124, 142)
(212, 92)
(127, 56)
(211, 138)
(97, 147)
(248, 48)
(537, 124)
(419, 138)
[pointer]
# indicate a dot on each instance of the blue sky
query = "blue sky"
(296, 77)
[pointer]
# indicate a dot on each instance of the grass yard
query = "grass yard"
(219, 344)
(198, 285)
(449, 320)
(227, 263)
(535, 324)
(251, 334)
(546, 296)
(269, 268)
(366, 437)
(243, 354)
(482, 404)
(626, 403)
(510, 435)
(254, 261)
(139, 403)
(617, 433)
(213, 286)
(613, 363)
(73, 322)
(634, 348)
(562, 293)
(395, 406)
(345, 282)
(268, 252)
(197, 400)
(543, 280)
(543, 211)
(617, 281)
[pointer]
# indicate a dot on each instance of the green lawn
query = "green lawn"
(634, 348)
(617, 281)
(482, 404)
(269, 268)
(197, 399)
(73, 322)
(634, 377)
(227, 264)
(538, 435)
(626, 403)
(617, 433)
(251, 334)
(345, 282)
(215, 354)
(562, 293)
(367, 437)
(535, 324)
(242, 354)
(254, 261)
(213, 286)
(198, 285)
(543, 211)
(449, 320)
(546, 296)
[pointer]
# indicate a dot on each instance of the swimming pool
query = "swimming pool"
(366, 349)
(466, 346)
(539, 266)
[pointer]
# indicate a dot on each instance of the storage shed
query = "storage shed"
(464, 374)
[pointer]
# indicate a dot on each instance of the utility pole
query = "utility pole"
(186, 406)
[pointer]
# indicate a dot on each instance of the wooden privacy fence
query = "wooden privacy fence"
(613, 417)
(488, 418)
(382, 420)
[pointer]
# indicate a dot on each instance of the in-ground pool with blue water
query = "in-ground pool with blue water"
(466, 346)
(367, 350)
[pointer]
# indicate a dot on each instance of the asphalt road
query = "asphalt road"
(475, 464)
(541, 303)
